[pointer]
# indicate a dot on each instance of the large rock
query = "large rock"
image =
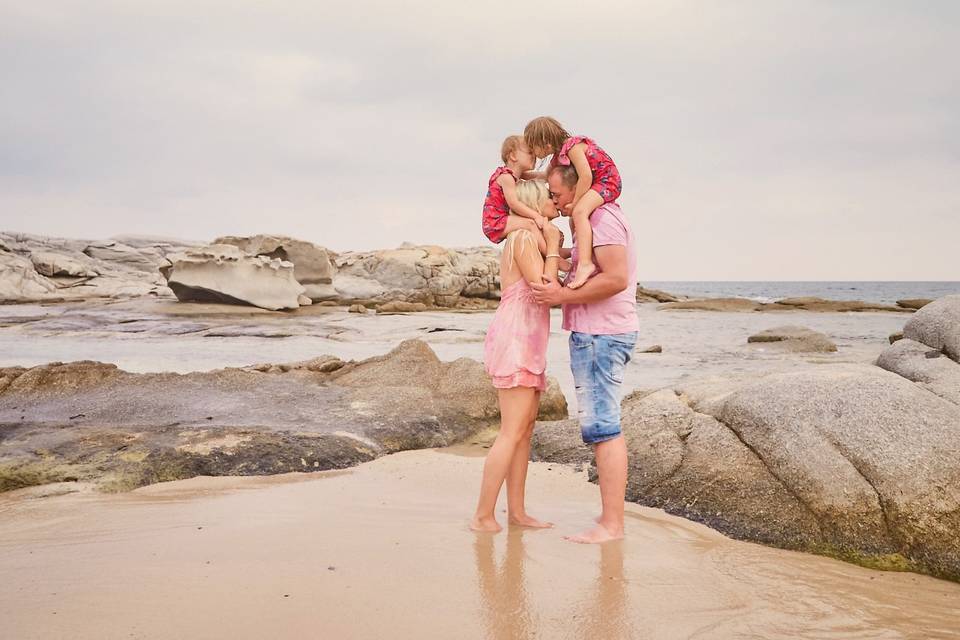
(93, 422)
(49, 263)
(937, 325)
(224, 273)
(845, 460)
(927, 367)
(312, 266)
(19, 281)
(793, 338)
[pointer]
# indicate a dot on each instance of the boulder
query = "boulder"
(927, 367)
(19, 281)
(655, 295)
(794, 338)
(896, 335)
(312, 266)
(223, 273)
(914, 303)
(401, 307)
(656, 348)
(94, 422)
(849, 461)
(357, 308)
(937, 325)
(48, 263)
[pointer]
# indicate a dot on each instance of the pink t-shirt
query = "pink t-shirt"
(618, 313)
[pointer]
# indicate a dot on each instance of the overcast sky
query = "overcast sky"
(758, 140)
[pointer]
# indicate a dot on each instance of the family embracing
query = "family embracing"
(598, 298)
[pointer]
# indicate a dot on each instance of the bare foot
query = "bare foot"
(485, 525)
(584, 271)
(594, 536)
(527, 521)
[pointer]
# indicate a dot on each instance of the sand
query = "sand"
(383, 551)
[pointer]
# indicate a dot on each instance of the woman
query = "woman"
(515, 355)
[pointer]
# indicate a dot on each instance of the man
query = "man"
(602, 318)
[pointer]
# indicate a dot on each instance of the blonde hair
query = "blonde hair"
(533, 193)
(545, 132)
(511, 144)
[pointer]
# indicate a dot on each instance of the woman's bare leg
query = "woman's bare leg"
(586, 205)
(515, 410)
(517, 478)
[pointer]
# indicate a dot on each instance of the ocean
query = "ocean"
(867, 291)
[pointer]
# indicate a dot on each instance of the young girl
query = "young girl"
(515, 356)
(502, 198)
(599, 181)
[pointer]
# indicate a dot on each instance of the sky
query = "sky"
(757, 140)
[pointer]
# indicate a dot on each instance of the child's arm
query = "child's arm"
(534, 175)
(510, 195)
(578, 158)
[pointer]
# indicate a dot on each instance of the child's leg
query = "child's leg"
(515, 223)
(514, 420)
(517, 478)
(581, 220)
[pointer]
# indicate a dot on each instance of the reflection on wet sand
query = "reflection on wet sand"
(605, 615)
(503, 591)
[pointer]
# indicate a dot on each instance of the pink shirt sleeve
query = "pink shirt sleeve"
(607, 229)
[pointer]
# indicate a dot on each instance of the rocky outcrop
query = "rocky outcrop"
(655, 295)
(224, 273)
(37, 268)
(93, 422)
(937, 325)
(312, 265)
(914, 303)
(786, 304)
(793, 338)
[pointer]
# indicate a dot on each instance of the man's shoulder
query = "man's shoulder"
(608, 220)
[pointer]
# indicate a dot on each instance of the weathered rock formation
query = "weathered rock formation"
(786, 304)
(312, 266)
(796, 339)
(224, 273)
(92, 422)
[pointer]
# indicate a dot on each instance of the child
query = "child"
(502, 195)
(599, 181)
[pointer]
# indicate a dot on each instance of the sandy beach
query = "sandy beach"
(383, 550)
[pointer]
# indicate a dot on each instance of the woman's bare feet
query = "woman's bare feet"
(485, 525)
(584, 271)
(528, 521)
(595, 536)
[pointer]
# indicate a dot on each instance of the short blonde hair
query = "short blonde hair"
(545, 132)
(511, 144)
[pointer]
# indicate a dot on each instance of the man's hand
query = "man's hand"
(540, 221)
(550, 293)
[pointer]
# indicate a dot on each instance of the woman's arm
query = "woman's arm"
(510, 195)
(578, 158)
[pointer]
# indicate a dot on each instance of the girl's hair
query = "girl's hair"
(545, 132)
(511, 144)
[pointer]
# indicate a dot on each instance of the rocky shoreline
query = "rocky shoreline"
(281, 273)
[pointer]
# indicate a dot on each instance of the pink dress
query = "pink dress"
(515, 351)
(606, 176)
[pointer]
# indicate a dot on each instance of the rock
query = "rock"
(312, 265)
(714, 304)
(19, 282)
(223, 273)
(914, 303)
(656, 348)
(937, 325)
(793, 338)
(357, 308)
(655, 295)
(304, 301)
(95, 422)
(927, 367)
(893, 337)
(401, 307)
(48, 263)
(849, 461)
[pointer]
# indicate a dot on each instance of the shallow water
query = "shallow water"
(147, 336)
(383, 551)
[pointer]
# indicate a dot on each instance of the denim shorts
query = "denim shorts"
(598, 363)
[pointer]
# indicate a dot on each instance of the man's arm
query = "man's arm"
(612, 259)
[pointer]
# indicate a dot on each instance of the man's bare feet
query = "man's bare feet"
(485, 525)
(528, 521)
(595, 536)
(584, 271)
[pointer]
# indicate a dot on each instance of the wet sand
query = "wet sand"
(383, 551)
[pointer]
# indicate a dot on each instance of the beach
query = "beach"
(383, 550)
